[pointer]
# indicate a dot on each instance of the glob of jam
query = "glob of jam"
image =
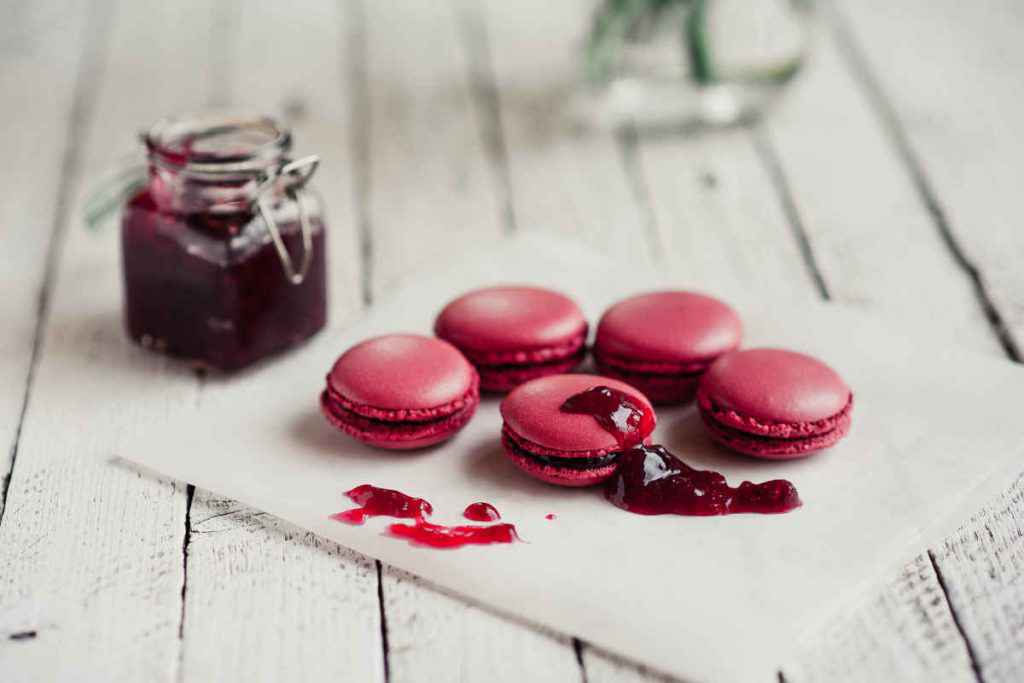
(374, 501)
(652, 481)
(481, 512)
(618, 413)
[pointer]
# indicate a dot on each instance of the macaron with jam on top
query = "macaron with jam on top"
(514, 334)
(662, 342)
(570, 429)
(774, 403)
(401, 391)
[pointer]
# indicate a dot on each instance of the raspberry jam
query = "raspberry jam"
(617, 412)
(438, 536)
(374, 501)
(481, 512)
(652, 481)
(203, 278)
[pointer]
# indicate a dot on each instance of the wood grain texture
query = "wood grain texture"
(951, 97)
(264, 600)
(90, 550)
(948, 101)
(560, 179)
(39, 43)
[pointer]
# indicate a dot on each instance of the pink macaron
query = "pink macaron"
(662, 342)
(401, 391)
(515, 334)
(776, 404)
(567, 448)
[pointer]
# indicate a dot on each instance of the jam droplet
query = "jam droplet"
(652, 481)
(551, 515)
(439, 536)
(374, 502)
(481, 512)
(618, 413)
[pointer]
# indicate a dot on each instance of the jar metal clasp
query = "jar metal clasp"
(294, 175)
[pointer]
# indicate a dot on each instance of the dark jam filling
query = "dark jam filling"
(618, 413)
(438, 536)
(481, 512)
(374, 501)
(561, 462)
(652, 481)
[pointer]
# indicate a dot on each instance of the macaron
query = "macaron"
(662, 342)
(401, 391)
(515, 334)
(567, 448)
(773, 403)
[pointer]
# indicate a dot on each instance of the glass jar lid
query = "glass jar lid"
(218, 145)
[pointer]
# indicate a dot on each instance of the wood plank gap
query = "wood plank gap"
(483, 87)
(383, 621)
(770, 160)
(361, 122)
(853, 54)
(577, 647)
(975, 666)
(190, 492)
(97, 29)
(626, 139)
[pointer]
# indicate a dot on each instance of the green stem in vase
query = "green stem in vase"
(695, 37)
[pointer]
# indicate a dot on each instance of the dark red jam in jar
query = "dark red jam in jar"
(223, 248)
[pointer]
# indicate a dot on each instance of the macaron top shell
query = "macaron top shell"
(775, 385)
(533, 412)
(402, 371)
(510, 319)
(672, 327)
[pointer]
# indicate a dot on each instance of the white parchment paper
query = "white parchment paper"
(935, 431)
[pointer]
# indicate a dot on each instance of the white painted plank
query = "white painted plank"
(39, 43)
(435, 637)
(90, 551)
(951, 98)
(266, 601)
(950, 71)
(981, 566)
(561, 179)
(431, 190)
(299, 608)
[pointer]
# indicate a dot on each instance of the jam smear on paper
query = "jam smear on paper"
(422, 532)
(374, 501)
(652, 481)
(618, 413)
(481, 512)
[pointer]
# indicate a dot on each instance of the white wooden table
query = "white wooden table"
(889, 178)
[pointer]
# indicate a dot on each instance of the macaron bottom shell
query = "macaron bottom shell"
(774, 441)
(397, 434)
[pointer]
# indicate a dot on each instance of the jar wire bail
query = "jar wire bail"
(294, 175)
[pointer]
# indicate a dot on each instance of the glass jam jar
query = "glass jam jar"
(223, 247)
